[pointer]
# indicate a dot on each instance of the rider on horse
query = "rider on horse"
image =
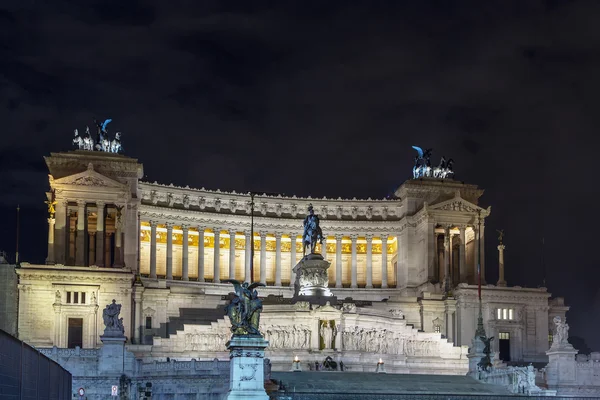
(312, 231)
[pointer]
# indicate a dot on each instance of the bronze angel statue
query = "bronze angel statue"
(244, 310)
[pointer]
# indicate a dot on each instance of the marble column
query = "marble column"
(354, 283)
(278, 259)
(293, 240)
(169, 251)
(483, 281)
(200, 254)
(369, 238)
(137, 312)
(92, 245)
(185, 268)
(324, 248)
(50, 258)
(384, 262)
(263, 258)
(60, 232)
(447, 258)
(153, 249)
(248, 256)
(338, 261)
(217, 256)
(462, 265)
(438, 275)
(100, 234)
(476, 258)
(501, 281)
(119, 236)
(80, 238)
(232, 254)
(107, 249)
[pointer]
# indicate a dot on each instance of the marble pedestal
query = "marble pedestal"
(311, 277)
(247, 354)
(111, 360)
(475, 355)
(561, 365)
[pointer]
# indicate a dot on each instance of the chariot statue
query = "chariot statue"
(245, 308)
(102, 142)
(423, 168)
(312, 231)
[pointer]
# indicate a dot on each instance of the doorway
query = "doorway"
(504, 346)
(75, 333)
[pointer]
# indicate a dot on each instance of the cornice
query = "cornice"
(283, 224)
(62, 273)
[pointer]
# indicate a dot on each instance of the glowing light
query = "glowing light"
(380, 361)
(296, 359)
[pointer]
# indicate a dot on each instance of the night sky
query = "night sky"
(319, 99)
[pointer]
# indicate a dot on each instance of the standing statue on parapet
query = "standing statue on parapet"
(112, 322)
(561, 337)
(245, 308)
(312, 231)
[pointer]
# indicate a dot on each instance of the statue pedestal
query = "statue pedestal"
(311, 278)
(111, 359)
(475, 355)
(246, 381)
(561, 365)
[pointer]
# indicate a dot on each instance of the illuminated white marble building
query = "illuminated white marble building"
(161, 251)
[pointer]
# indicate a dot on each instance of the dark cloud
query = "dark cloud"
(318, 99)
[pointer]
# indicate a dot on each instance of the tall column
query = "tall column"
(501, 281)
(80, 241)
(483, 281)
(476, 258)
(60, 232)
(431, 249)
(369, 238)
(248, 248)
(185, 273)
(217, 249)
(463, 254)
(354, 283)
(152, 249)
(119, 236)
(263, 257)
(293, 239)
(200, 254)
(277, 259)
(169, 251)
(232, 254)
(100, 233)
(137, 314)
(447, 258)
(92, 245)
(338, 261)
(324, 248)
(51, 223)
(384, 270)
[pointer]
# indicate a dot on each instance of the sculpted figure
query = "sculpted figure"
(312, 231)
(486, 360)
(562, 332)
(244, 310)
(110, 315)
(326, 333)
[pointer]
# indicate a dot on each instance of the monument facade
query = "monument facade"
(402, 269)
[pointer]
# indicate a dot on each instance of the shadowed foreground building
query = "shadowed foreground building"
(403, 271)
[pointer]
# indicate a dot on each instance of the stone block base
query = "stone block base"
(246, 381)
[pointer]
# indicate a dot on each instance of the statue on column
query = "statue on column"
(112, 322)
(245, 308)
(500, 235)
(312, 231)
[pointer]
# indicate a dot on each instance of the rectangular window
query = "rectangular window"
(82, 297)
(68, 297)
(75, 333)
(148, 322)
(75, 297)
(504, 312)
(437, 329)
(504, 336)
(510, 313)
(499, 313)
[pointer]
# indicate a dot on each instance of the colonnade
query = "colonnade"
(76, 237)
(451, 253)
(230, 234)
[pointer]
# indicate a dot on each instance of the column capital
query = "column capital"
(501, 247)
(216, 231)
(185, 227)
(153, 223)
(462, 227)
(100, 203)
(354, 237)
(51, 221)
(247, 233)
(384, 237)
(232, 232)
(262, 234)
(169, 225)
(81, 203)
(369, 237)
(278, 235)
(339, 237)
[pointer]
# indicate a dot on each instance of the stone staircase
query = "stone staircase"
(195, 316)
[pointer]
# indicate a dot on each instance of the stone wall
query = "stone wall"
(8, 297)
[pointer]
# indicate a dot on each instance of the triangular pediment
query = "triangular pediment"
(89, 177)
(457, 204)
